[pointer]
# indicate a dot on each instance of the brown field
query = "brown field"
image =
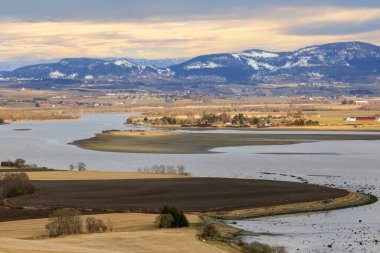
(189, 194)
(194, 143)
(10, 115)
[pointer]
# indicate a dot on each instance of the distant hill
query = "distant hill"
(348, 62)
(4, 73)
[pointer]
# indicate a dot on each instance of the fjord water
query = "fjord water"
(353, 165)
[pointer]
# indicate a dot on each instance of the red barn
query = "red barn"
(365, 119)
(44, 106)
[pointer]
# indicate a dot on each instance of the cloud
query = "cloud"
(277, 28)
(128, 10)
(335, 21)
(337, 28)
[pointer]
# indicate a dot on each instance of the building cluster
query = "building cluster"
(370, 119)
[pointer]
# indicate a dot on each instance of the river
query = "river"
(354, 165)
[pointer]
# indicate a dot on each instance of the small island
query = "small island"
(175, 142)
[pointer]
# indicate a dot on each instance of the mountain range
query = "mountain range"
(347, 62)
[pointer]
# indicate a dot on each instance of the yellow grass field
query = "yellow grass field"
(93, 175)
(131, 233)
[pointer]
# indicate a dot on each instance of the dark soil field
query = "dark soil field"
(198, 143)
(7, 214)
(189, 194)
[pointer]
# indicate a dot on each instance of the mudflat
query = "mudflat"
(198, 143)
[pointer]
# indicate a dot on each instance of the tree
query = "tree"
(255, 121)
(15, 184)
(299, 122)
(238, 119)
(19, 162)
(179, 218)
(81, 166)
(312, 123)
(181, 170)
(224, 118)
(209, 118)
(72, 167)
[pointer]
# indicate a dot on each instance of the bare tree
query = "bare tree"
(82, 166)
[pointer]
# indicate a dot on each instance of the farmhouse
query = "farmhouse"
(365, 119)
(44, 105)
(350, 119)
(362, 119)
(361, 102)
(7, 164)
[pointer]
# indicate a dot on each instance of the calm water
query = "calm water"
(347, 164)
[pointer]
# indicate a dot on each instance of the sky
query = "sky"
(32, 30)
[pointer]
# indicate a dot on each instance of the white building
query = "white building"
(350, 119)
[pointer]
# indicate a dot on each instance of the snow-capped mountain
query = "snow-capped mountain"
(83, 68)
(346, 61)
(350, 62)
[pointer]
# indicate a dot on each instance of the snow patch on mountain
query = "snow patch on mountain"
(123, 63)
(89, 77)
(259, 54)
(56, 75)
(306, 50)
(256, 65)
(315, 75)
(200, 65)
(302, 62)
(253, 64)
(73, 76)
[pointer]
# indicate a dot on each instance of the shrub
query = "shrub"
(15, 184)
(164, 220)
(162, 169)
(110, 225)
(64, 221)
(95, 225)
(208, 231)
(256, 247)
(179, 218)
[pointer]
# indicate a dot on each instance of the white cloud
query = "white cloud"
(180, 38)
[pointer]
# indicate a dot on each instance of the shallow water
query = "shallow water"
(348, 164)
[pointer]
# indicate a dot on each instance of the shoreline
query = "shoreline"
(373, 127)
(321, 128)
(352, 199)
